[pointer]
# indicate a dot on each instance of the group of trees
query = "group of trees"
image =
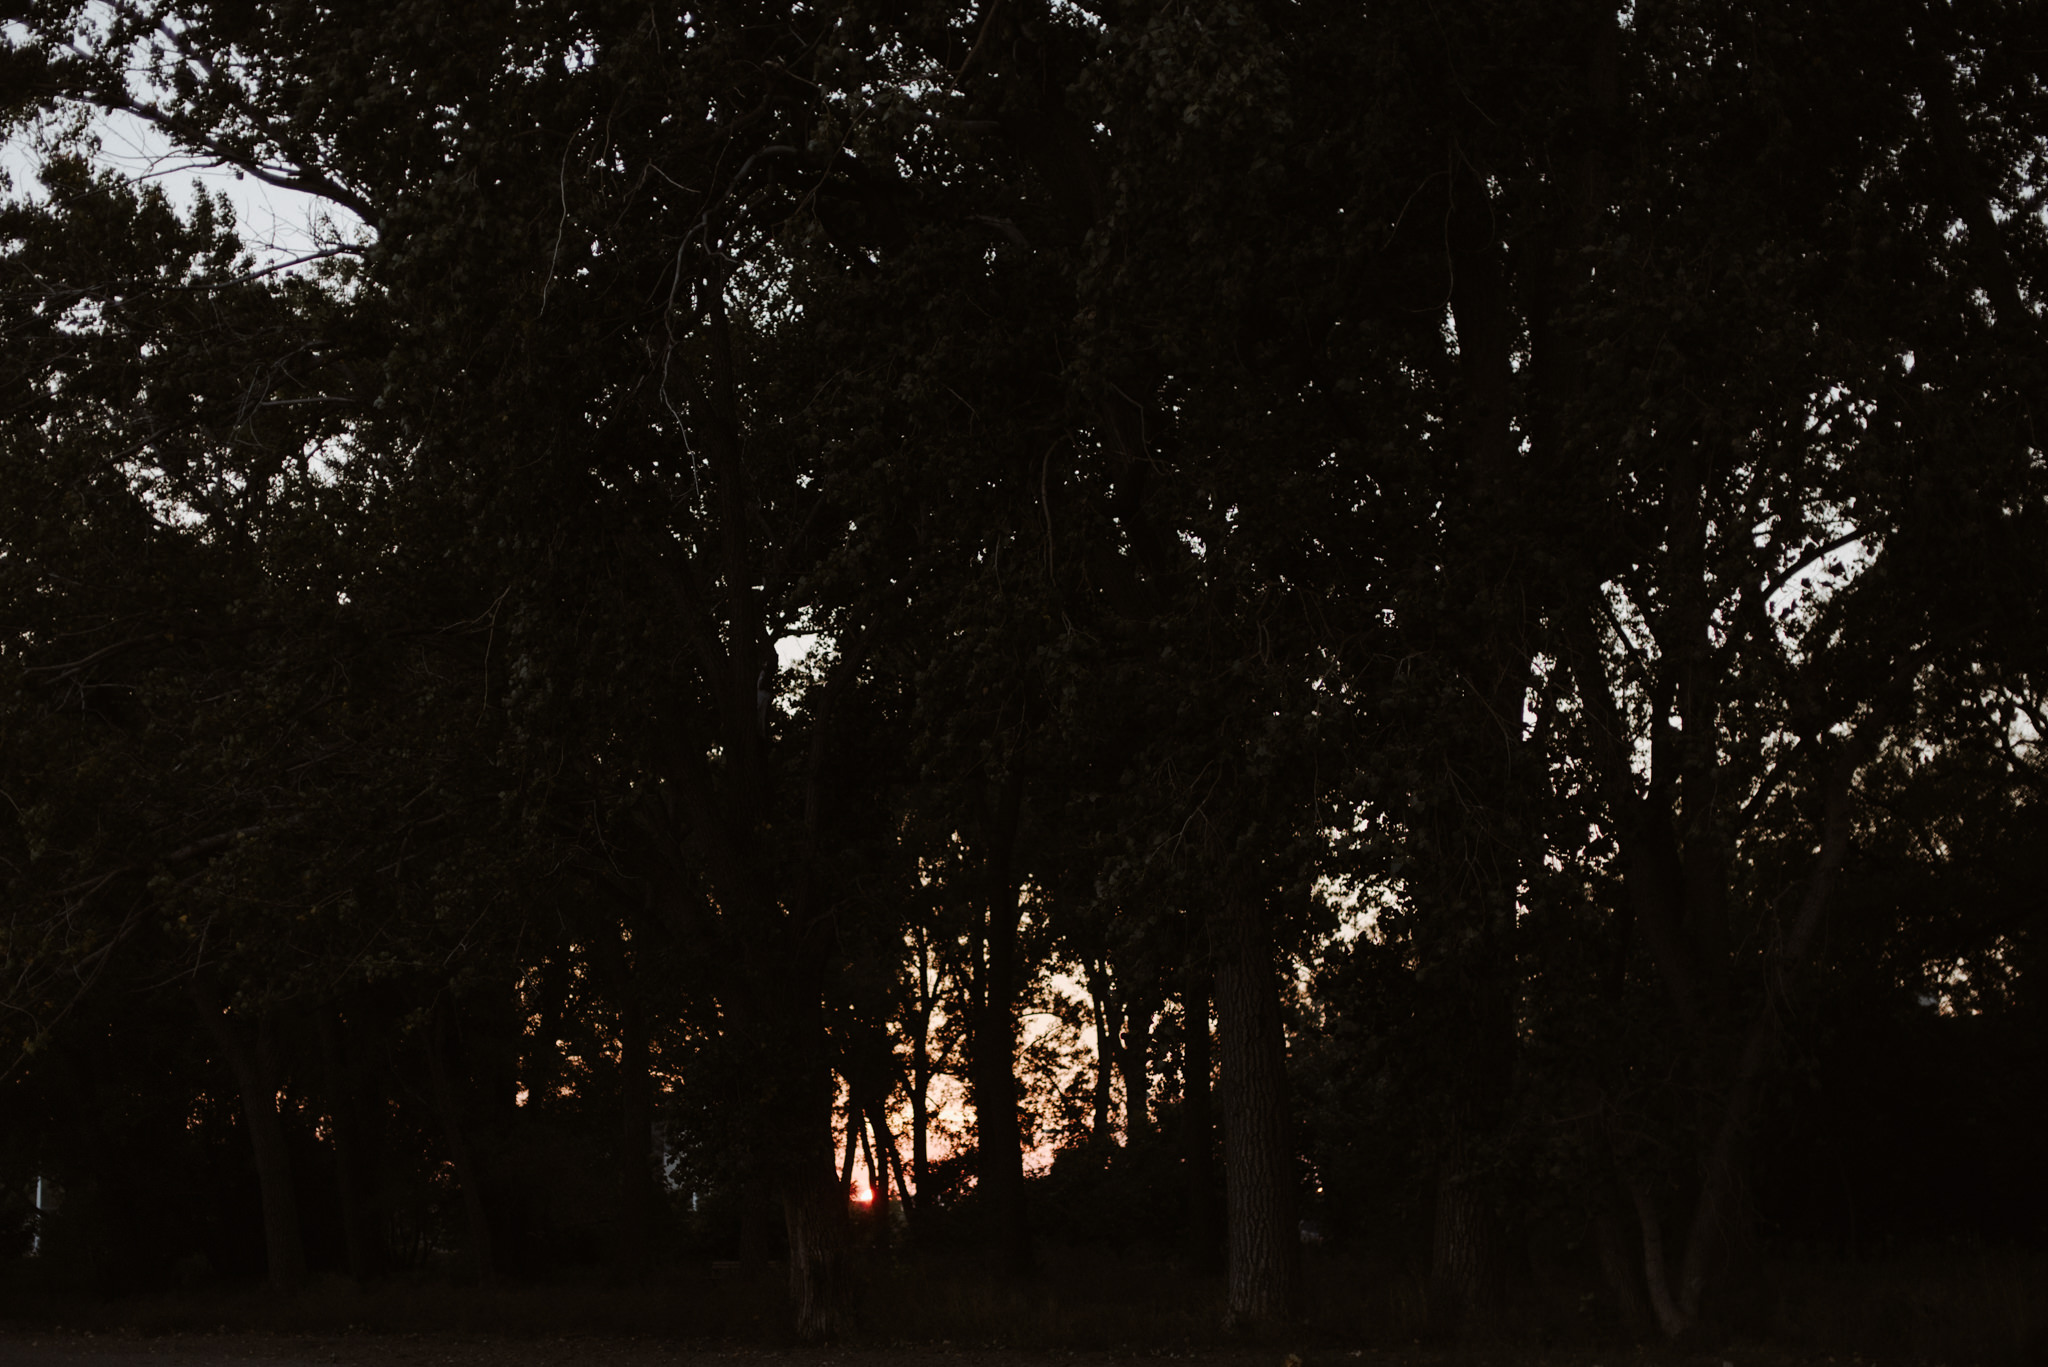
(1470, 572)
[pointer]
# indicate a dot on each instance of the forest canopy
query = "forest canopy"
(1409, 625)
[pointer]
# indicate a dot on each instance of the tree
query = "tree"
(758, 503)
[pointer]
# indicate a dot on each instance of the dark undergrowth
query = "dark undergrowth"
(1938, 1306)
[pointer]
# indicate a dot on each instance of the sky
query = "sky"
(278, 225)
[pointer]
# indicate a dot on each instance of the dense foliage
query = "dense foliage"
(1181, 624)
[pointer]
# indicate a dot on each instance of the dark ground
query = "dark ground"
(1944, 1306)
(82, 1349)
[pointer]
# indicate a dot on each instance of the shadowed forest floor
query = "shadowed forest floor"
(1936, 1306)
(133, 1349)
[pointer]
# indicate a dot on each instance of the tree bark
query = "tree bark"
(795, 1087)
(999, 1134)
(904, 1191)
(1204, 1227)
(1623, 1272)
(920, 1144)
(1468, 1281)
(1674, 1321)
(1662, 887)
(921, 1078)
(1466, 1273)
(1258, 1153)
(814, 1210)
(885, 1149)
(254, 1067)
(1134, 1062)
(857, 1125)
(1103, 1007)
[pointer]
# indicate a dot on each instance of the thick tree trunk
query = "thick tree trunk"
(1205, 1226)
(1623, 1272)
(1472, 962)
(795, 1087)
(635, 1252)
(1258, 1150)
(255, 1073)
(999, 1136)
(1466, 1271)
(1680, 1301)
(1620, 1261)
(468, 1176)
(814, 1210)
(1657, 1274)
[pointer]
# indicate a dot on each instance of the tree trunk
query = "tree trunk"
(999, 1135)
(903, 1187)
(448, 1107)
(255, 1073)
(885, 1148)
(921, 1077)
(794, 1087)
(1473, 965)
(1622, 1271)
(920, 1128)
(1466, 1273)
(814, 1209)
(635, 1251)
(1205, 1227)
(1657, 1274)
(1468, 1281)
(852, 1146)
(857, 1125)
(1258, 1152)
(1720, 1204)
(1103, 1007)
(1134, 1061)
(1716, 1210)
(998, 1132)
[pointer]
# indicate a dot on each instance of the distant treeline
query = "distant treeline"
(1412, 629)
